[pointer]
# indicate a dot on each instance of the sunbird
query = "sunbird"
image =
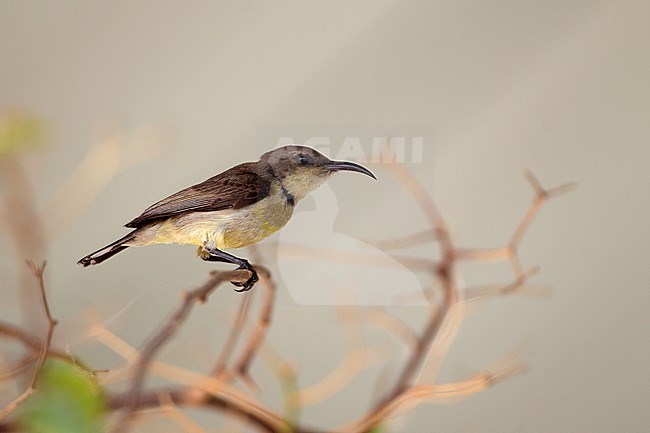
(233, 209)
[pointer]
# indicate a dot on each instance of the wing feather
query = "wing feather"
(235, 188)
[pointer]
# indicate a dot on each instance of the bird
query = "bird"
(234, 209)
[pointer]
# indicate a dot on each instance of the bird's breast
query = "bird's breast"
(253, 223)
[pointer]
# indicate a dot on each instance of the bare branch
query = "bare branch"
(12, 331)
(44, 348)
(169, 328)
(25, 230)
(353, 364)
(192, 398)
(423, 343)
(199, 388)
(541, 196)
(414, 239)
(260, 328)
(187, 397)
(30, 342)
(415, 188)
(306, 252)
(418, 394)
(255, 339)
(219, 368)
(444, 272)
(517, 285)
(18, 367)
(484, 254)
(168, 407)
(202, 385)
(102, 162)
(357, 358)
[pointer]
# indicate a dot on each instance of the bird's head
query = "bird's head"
(302, 169)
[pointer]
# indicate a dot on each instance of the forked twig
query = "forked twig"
(419, 394)
(219, 369)
(255, 337)
(171, 411)
(165, 332)
(44, 347)
(444, 272)
(259, 331)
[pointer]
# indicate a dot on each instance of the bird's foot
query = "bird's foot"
(244, 287)
(216, 255)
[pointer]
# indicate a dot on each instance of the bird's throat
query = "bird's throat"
(290, 198)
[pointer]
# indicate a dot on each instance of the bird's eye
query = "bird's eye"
(303, 159)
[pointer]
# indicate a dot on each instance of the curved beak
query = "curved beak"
(348, 166)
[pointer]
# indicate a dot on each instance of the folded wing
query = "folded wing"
(235, 188)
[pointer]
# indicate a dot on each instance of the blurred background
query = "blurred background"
(192, 88)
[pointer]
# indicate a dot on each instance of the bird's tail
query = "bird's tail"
(107, 252)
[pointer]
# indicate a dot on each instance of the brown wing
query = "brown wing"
(233, 189)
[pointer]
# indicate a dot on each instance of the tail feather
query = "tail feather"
(107, 252)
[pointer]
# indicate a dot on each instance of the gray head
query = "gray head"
(302, 169)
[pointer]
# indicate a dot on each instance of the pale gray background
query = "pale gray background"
(558, 87)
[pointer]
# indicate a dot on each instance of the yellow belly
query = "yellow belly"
(237, 237)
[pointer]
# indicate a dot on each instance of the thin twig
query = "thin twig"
(166, 331)
(24, 229)
(444, 272)
(422, 197)
(198, 387)
(172, 412)
(256, 336)
(233, 336)
(418, 394)
(190, 398)
(484, 254)
(259, 331)
(18, 367)
(102, 162)
(29, 341)
(349, 368)
(44, 348)
(423, 343)
(318, 254)
(541, 196)
(208, 387)
(419, 238)
(491, 290)
(392, 325)
(357, 358)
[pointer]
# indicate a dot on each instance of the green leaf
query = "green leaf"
(18, 132)
(67, 400)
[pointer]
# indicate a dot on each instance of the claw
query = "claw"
(250, 282)
(243, 289)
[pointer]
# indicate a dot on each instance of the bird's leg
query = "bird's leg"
(216, 255)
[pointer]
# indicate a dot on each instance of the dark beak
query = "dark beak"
(348, 166)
